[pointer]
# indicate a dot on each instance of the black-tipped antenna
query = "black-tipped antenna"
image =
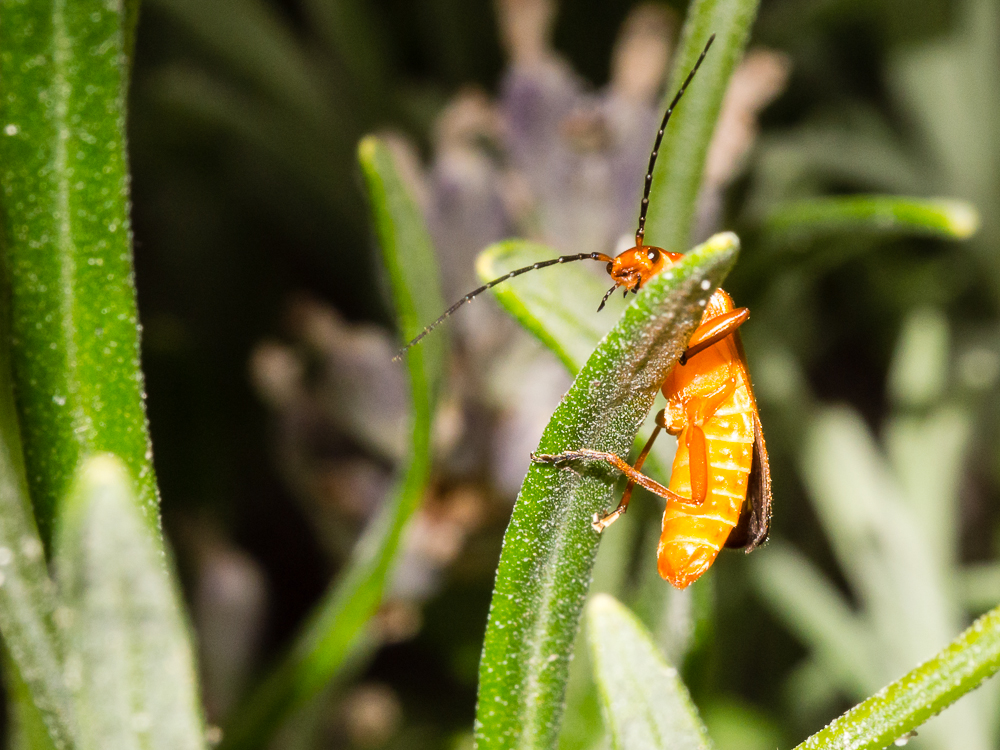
(641, 231)
(472, 295)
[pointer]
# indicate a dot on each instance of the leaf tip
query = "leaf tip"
(723, 241)
(101, 477)
(601, 607)
(486, 261)
(366, 148)
(103, 470)
(962, 218)
(602, 603)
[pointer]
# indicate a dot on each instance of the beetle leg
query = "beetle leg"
(698, 410)
(694, 436)
(637, 477)
(714, 330)
(600, 524)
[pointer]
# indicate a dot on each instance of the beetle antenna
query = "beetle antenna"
(473, 294)
(641, 232)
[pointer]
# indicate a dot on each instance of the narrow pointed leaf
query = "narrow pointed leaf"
(933, 217)
(643, 700)
(26, 728)
(129, 660)
(67, 246)
(550, 546)
(904, 705)
(681, 162)
(320, 651)
(27, 600)
(558, 305)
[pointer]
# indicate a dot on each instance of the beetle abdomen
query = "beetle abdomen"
(693, 535)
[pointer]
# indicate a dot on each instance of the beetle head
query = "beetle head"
(634, 267)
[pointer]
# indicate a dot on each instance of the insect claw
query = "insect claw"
(600, 524)
(548, 458)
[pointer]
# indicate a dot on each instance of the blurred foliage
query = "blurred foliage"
(334, 631)
(280, 423)
(643, 700)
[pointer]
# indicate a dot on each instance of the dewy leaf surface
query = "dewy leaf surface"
(550, 546)
(27, 596)
(644, 702)
(904, 705)
(67, 246)
(129, 661)
(334, 628)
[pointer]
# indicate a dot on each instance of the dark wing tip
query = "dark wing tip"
(755, 517)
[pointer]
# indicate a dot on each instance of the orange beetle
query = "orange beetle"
(720, 487)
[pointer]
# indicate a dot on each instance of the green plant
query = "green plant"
(647, 706)
(77, 465)
(97, 650)
(338, 623)
(522, 676)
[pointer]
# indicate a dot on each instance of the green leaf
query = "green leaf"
(680, 165)
(644, 702)
(558, 304)
(129, 660)
(905, 704)
(319, 652)
(919, 371)
(409, 256)
(550, 546)
(67, 246)
(27, 600)
(933, 217)
(26, 728)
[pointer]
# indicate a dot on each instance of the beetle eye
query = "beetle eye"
(653, 254)
(610, 267)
